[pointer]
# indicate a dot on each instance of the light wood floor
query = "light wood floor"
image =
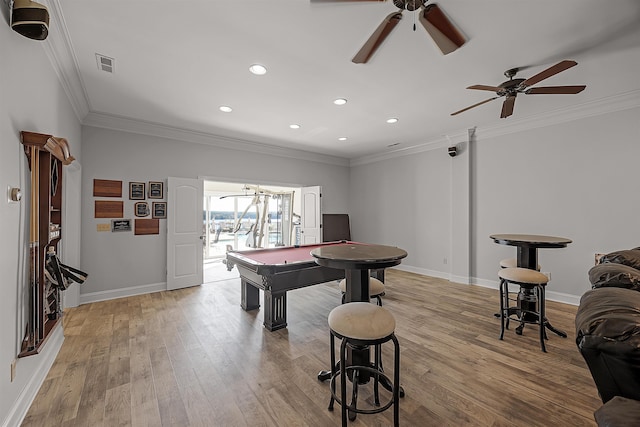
(193, 357)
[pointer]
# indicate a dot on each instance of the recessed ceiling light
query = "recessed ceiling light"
(226, 109)
(342, 138)
(258, 69)
(392, 120)
(340, 101)
(294, 126)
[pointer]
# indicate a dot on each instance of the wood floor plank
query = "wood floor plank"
(193, 357)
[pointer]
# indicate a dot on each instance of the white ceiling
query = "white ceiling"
(177, 61)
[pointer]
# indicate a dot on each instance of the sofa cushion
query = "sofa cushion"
(617, 275)
(630, 257)
(611, 314)
(618, 412)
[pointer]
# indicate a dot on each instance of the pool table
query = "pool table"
(276, 271)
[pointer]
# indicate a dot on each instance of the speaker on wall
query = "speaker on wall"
(30, 19)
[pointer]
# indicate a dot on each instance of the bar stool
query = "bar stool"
(376, 289)
(527, 279)
(511, 263)
(358, 325)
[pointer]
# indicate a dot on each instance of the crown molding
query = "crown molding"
(598, 107)
(610, 104)
(59, 50)
(108, 121)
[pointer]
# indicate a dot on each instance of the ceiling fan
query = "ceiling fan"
(512, 87)
(446, 36)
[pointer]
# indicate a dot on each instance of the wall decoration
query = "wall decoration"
(141, 209)
(147, 226)
(103, 227)
(136, 191)
(120, 225)
(156, 189)
(107, 188)
(159, 209)
(108, 209)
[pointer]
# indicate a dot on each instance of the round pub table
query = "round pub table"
(357, 259)
(527, 257)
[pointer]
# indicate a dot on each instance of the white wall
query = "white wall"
(118, 262)
(406, 202)
(30, 99)
(575, 179)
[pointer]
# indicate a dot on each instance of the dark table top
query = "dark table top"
(531, 240)
(358, 256)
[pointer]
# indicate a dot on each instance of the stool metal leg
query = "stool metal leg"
(396, 381)
(376, 378)
(502, 308)
(541, 314)
(343, 382)
(333, 370)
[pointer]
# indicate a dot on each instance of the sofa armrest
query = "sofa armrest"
(608, 337)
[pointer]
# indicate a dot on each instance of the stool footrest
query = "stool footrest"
(374, 372)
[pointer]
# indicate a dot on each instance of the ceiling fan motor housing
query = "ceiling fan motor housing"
(510, 86)
(409, 5)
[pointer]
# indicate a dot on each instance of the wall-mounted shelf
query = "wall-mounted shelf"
(46, 155)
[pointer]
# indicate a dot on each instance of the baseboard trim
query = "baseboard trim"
(122, 293)
(491, 284)
(45, 360)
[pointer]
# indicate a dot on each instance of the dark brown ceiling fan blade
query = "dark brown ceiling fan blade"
(441, 29)
(569, 90)
(474, 105)
(551, 71)
(376, 39)
(485, 87)
(507, 106)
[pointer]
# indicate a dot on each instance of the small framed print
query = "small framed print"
(159, 210)
(156, 190)
(141, 209)
(120, 225)
(136, 191)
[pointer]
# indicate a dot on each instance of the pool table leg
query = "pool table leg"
(250, 299)
(275, 310)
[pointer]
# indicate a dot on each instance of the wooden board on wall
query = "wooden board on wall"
(109, 209)
(147, 226)
(107, 188)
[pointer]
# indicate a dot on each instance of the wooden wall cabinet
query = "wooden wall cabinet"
(44, 300)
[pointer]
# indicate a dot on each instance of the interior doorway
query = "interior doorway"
(239, 216)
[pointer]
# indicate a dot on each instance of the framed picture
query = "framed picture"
(159, 209)
(120, 225)
(156, 190)
(136, 191)
(141, 209)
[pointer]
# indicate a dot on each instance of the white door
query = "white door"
(311, 213)
(185, 232)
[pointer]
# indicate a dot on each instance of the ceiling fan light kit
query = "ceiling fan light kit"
(512, 87)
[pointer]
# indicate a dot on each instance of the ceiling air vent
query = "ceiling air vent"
(105, 63)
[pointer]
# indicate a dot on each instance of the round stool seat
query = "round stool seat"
(376, 287)
(511, 263)
(523, 276)
(362, 321)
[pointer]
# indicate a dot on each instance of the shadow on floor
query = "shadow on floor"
(216, 271)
